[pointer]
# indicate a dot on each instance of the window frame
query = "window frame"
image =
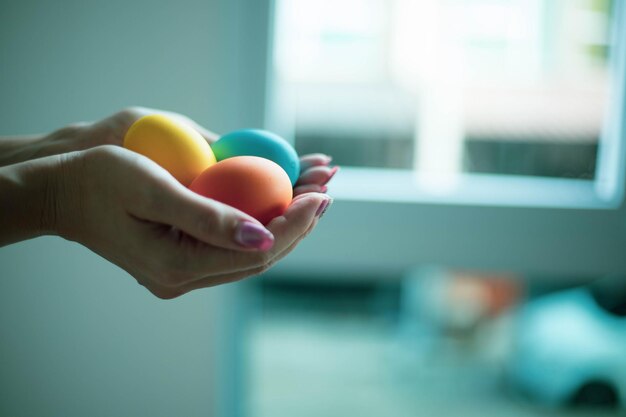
(384, 222)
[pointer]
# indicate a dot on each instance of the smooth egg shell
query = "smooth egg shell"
(174, 145)
(254, 185)
(256, 142)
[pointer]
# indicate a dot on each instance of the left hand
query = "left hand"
(315, 171)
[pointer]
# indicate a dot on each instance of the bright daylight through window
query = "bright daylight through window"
(445, 86)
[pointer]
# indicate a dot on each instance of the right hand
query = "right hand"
(128, 209)
(314, 175)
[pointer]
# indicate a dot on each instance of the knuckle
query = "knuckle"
(131, 112)
(101, 157)
(208, 223)
(141, 162)
(72, 130)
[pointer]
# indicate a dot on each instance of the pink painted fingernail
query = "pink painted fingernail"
(323, 207)
(252, 235)
(333, 172)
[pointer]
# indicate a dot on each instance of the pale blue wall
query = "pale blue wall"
(79, 336)
(65, 61)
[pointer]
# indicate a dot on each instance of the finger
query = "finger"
(312, 160)
(319, 175)
(286, 229)
(211, 281)
(205, 219)
(310, 188)
(296, 219)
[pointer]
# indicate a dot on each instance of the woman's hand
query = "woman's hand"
(315, 173)
(84, 135)
(78, 182)
(128, 209)
(315, 170)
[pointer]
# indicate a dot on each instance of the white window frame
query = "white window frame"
(384, 222)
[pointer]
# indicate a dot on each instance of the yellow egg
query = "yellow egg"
(174, 145)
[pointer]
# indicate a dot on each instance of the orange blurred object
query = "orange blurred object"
(254, 185)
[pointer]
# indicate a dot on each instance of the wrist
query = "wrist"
(36, 199)
(60, 209)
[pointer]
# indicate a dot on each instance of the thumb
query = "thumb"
(207, 220)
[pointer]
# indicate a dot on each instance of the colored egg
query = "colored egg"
(255, 142)
(254, 185)
(174, 145)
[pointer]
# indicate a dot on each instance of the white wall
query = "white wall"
(79, 336)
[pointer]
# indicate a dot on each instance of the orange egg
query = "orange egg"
(254, 185)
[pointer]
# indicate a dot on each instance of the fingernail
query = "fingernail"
(252, 235)
(333, 172)
(323, 207)
(324, 188)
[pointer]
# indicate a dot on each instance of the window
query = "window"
(526, 90)
(445, 87)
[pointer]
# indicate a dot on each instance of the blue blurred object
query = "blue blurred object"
(570, 351)
(256, 142)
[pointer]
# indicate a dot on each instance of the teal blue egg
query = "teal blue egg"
(256, 142)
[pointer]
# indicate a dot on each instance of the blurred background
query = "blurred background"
(504, 87)
(472, 262)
